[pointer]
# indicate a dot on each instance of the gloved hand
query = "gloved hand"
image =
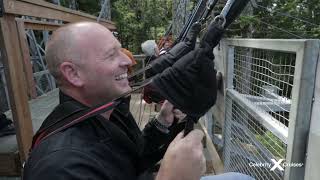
(213, 36)
(191, 37)
(190, 84)
(175, 53)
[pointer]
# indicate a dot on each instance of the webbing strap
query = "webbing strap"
(67, 115)
(71, 117)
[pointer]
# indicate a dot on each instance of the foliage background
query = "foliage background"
(285, 19)
(140, 20)
(136, 20)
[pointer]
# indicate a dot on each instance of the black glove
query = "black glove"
(179, 50)
(191, 37)
(213, 36)
(190, 84)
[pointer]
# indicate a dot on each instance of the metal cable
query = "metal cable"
(280, 29)
(285, 14)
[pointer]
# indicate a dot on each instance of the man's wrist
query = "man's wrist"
(162, 121)
(160, 126)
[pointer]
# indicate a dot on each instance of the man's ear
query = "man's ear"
(70, 73)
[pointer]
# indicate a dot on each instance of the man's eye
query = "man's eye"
(115, 53)
(110, 56)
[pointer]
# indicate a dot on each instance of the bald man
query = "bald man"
(89, 67)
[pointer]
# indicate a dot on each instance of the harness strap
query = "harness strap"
(67, 115)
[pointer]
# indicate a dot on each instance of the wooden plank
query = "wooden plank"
(139, 57)
(26, 59)
(42, 9)
(12, 59)
(39, 25)
(301, 107)
(213, 154)
(141, 111)
(10, 164)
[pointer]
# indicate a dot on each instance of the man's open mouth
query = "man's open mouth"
(122, 76)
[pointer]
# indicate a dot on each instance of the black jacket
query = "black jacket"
(97, 149)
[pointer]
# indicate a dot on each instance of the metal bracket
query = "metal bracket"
(254, 3)
(1, 8)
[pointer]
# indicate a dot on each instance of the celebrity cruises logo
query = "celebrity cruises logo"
(274, 164)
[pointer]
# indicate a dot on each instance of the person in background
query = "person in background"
(133, 61)
(166, 47)
(150, 94)
(150, 48)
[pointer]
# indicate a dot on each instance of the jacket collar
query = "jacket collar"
(120, 128)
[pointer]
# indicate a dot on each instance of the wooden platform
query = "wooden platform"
(9, 158)
(141, 111)
(213, 160)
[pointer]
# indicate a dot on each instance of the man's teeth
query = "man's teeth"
(122, 76)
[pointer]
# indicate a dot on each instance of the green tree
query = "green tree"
(281, 19)
(138, 20)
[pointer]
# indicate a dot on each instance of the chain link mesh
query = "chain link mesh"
(265, 78)
(257, 112)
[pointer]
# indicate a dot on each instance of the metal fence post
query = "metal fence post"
(229, 54)
(312, 161)
(302, 97)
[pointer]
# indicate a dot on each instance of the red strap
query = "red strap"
(75, 119)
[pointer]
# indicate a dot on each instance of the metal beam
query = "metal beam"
(264, 118)
(39, 25)
(301, 107)
(312, 160)
(284, 45)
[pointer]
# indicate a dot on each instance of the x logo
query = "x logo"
(277, 165)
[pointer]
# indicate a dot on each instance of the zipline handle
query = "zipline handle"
(190, 121)
(220, 20)
(210, 5)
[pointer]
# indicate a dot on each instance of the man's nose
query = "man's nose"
(125, 60)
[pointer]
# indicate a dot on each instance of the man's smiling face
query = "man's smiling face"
(105, 67)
